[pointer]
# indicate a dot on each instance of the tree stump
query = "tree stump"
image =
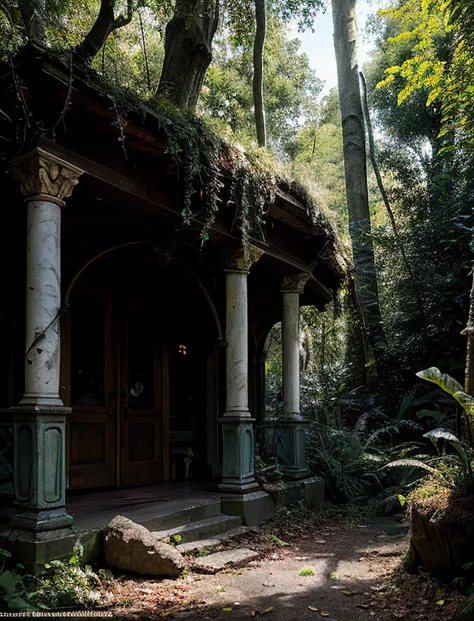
(442, 539)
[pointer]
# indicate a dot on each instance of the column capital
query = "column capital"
(295, 283)
(241, 259)
(43, 176)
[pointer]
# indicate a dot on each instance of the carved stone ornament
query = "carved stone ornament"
(295, 283)
(242, 259)
(44, 176)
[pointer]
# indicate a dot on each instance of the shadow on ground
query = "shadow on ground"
(350, 570)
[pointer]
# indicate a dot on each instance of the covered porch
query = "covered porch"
(143, 364)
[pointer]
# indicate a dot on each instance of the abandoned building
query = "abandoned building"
(132, 345)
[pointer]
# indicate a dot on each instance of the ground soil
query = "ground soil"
(356, 575)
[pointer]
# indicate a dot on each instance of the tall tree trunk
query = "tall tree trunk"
(101, 29)
(258, 102)
(188, 51)
(383, 192)
(355, 170)
(33, 15)
(465, 426)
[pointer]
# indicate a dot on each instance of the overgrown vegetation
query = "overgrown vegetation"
(59, 584)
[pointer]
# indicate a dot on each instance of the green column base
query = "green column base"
(294, 466)
(39, 468)
(238, 455)
(254, 508)
(35, 549)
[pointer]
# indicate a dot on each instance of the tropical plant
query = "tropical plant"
(13, 591)
(451, 470)
(64, 584)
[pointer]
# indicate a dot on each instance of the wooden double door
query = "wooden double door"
(115, 372)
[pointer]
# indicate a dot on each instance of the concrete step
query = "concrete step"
(183, 517)
(204, 529)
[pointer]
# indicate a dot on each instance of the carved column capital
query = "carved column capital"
(241, 259)
(43, 176)
(295, 283)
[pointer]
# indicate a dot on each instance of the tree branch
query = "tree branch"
(258, 101)
(105, 23)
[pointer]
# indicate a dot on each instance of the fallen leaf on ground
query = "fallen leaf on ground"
(228, 609)
(266, 610)
(324, 614)
(346, 592)
(313, 608)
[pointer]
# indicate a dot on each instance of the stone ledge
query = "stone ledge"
(310, 491)
(254, 507)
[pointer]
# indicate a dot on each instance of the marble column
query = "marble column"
(237, 423)
(39, 420)
(292, 422)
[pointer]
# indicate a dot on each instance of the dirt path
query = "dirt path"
(352, 578)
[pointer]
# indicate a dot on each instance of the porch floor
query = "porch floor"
(140, 504)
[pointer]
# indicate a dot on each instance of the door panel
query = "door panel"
(141, 395)
(91, 429)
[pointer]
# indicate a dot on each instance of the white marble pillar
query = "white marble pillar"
(39, 420)
(291, 353)
(292, 288)
(43, 303)
(237, 344)
(237, 423)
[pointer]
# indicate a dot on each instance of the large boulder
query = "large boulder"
(132, 547)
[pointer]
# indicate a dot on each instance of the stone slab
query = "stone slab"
(197, 546)
(228, 558)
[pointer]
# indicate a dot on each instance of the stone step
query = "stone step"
(204, 529)
(222, 560)
(173, 519)
(198, 546)
(205, 544)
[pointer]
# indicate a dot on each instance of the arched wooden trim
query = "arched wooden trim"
(200, 285)
(78, 274)
(182, 265)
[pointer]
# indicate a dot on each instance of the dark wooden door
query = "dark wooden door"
(140, 410)
(88, 377)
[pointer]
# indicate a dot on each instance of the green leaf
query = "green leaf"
(10, 583)
(306, 572)
(402, 500)
(410, 463)
(18, 603)
(5, 553)
(442, 434)
(449, 385)
(279, 542)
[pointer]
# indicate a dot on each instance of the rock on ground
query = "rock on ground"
(132, 547)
